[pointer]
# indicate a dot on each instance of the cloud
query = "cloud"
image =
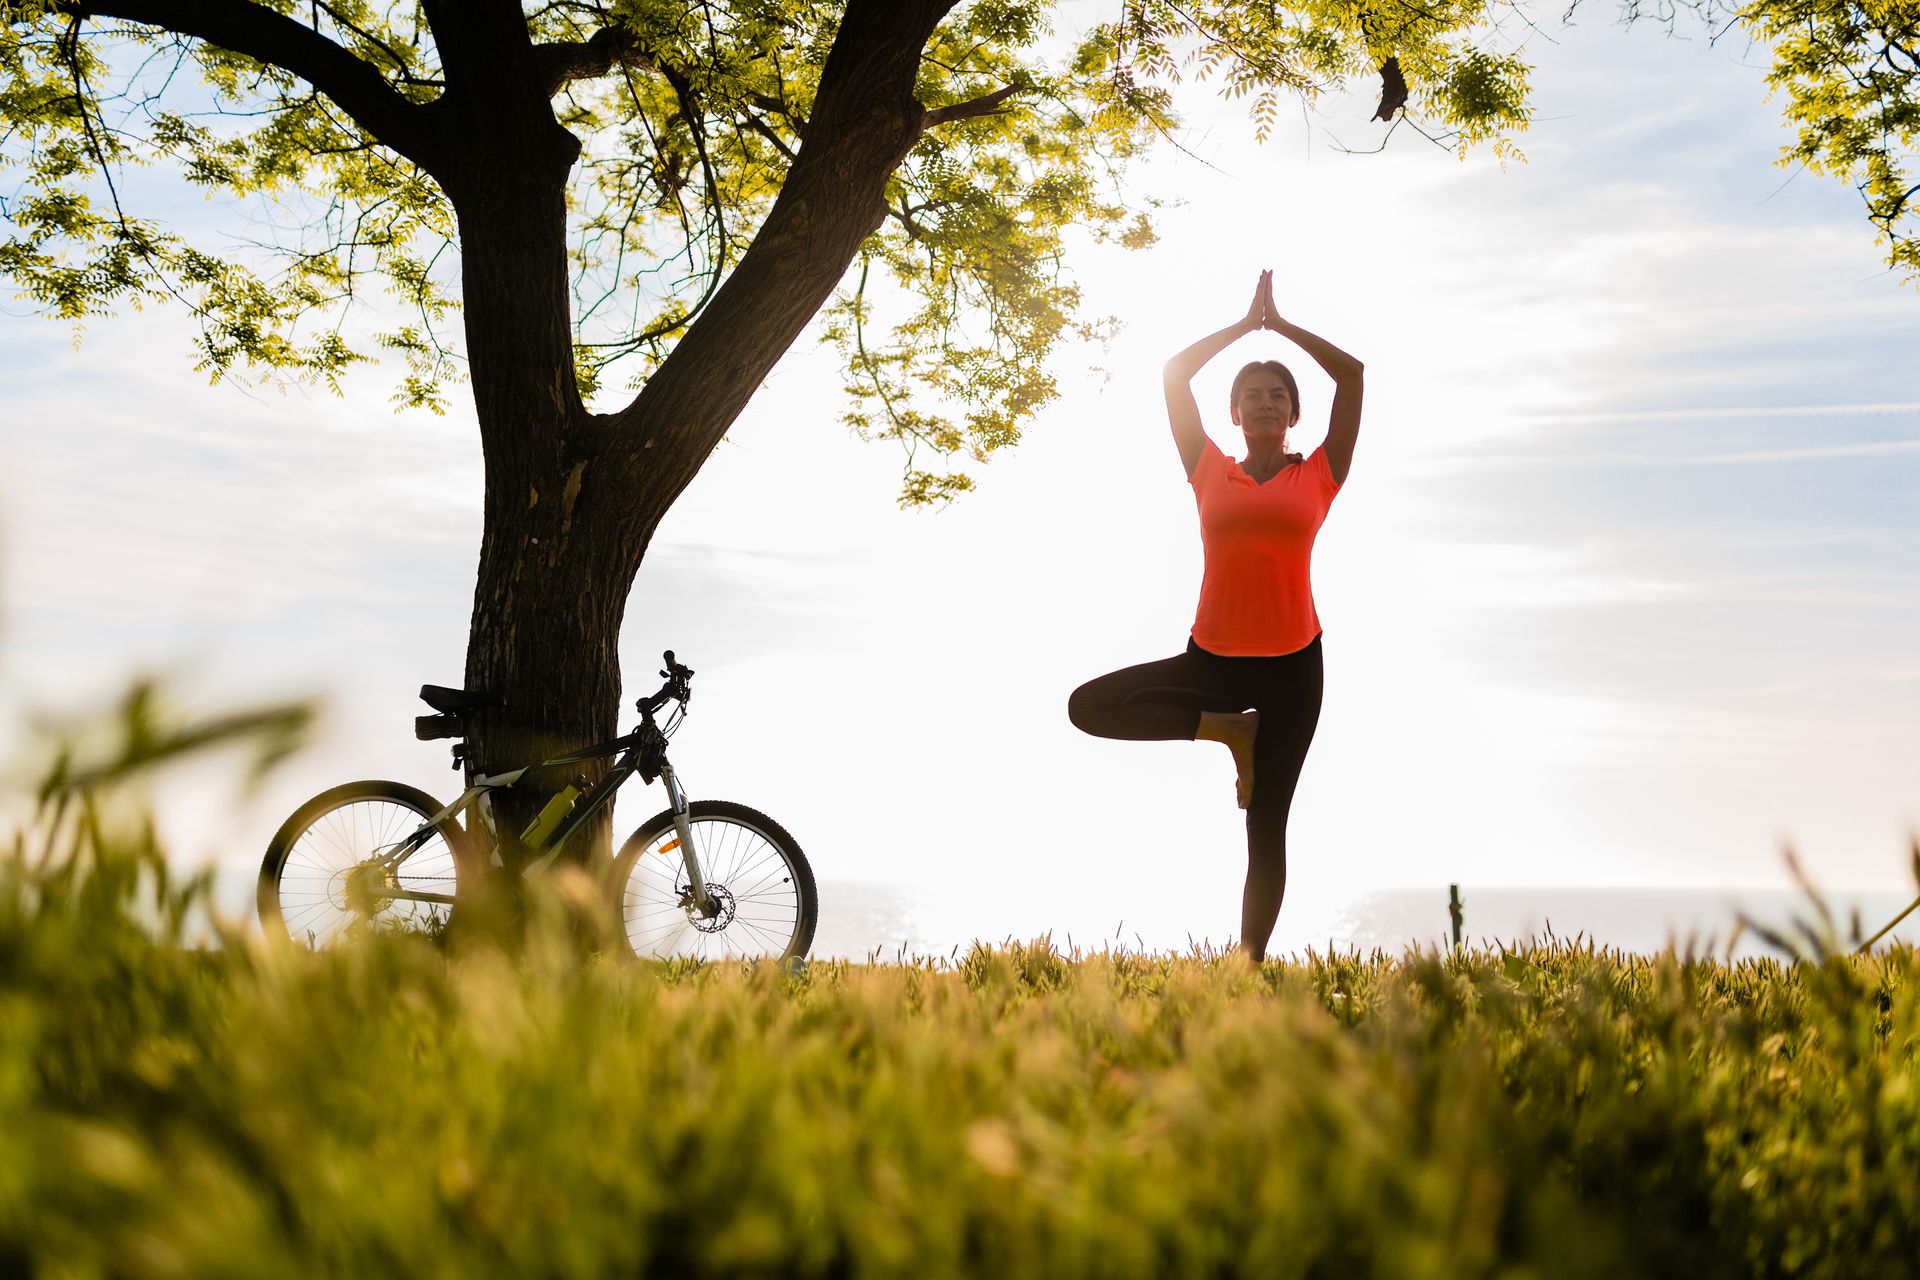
(1585, 461)
(1736, 412)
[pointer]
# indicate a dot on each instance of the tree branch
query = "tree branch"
(562, 62)
(608, 47)
(393, 55)
(691, 112)
(864, 122)
(985, 105)
(779, 107)
(1393, 89)
(1890, 214)
(766, 131)
(265, 36)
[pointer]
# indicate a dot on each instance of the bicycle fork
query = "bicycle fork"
(684, 831)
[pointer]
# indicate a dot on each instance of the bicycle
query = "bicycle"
(384, 855)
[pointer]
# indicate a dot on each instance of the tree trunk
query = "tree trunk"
(558, 553)
(572, 499)
(555, 568)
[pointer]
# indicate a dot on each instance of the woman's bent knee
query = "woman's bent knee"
(1081, 707)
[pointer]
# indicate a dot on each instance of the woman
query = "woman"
(1251, 675)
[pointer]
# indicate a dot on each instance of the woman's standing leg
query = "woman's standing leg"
(1166, 699)
(1289, 707)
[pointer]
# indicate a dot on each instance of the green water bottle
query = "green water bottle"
(550, 817)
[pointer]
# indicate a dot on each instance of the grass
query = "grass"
(394, 1108)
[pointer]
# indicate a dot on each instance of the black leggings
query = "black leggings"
(1158, 701)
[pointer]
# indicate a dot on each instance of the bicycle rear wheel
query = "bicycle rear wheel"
(753, 869)
(321, 879)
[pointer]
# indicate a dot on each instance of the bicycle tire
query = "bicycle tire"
(303, 893)
(659, 924)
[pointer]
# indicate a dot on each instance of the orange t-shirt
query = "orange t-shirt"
(1256, 597)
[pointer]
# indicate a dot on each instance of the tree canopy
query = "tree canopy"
(1849, 74)
(688, 117)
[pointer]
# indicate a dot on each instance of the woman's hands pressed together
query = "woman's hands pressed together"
(1262, 308)
(1269, 314)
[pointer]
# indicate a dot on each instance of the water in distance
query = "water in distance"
(862, 920)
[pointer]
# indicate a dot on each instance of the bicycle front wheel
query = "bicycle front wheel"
(758, 881)
(324, 877)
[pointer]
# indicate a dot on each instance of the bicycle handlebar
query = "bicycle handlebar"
(679, 686)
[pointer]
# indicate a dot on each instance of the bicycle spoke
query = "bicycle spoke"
(757, 897)
(770, 877)
(313, 890)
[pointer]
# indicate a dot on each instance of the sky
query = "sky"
(1623, 590)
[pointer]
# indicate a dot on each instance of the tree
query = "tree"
(665, 191)
(1850, 74)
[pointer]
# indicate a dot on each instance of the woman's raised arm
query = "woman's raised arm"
(1183, 411)
(1349, 383)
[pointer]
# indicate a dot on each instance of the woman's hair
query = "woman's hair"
(1266, 366)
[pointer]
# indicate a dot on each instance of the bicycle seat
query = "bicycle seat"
(454, 701)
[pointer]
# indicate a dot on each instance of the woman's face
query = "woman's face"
(1264, 405)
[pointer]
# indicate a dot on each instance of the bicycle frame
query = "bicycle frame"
(645, 754)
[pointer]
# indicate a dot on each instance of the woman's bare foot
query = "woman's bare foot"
(1237, 730)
